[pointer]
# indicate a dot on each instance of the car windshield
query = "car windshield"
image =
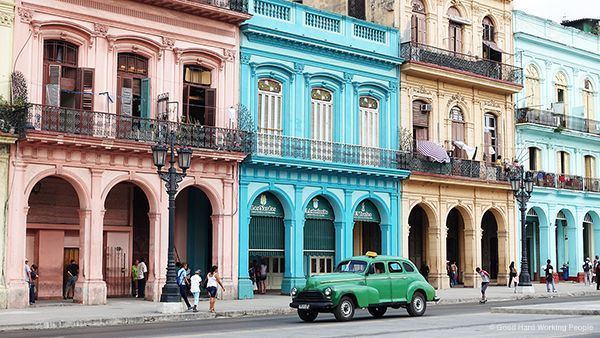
(353, 266)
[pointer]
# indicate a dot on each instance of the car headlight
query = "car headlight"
(327, 292)
(294, 292)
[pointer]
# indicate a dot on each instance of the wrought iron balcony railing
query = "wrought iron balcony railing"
(556, 120)
(411, 51)
(460, 168)
(111, 126)
(562, 181)
(234, 5)
(309, 149)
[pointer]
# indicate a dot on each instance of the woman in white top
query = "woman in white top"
(213, 280)
(195, 288)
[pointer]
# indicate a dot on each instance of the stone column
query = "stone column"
(386, 239)
(470, 254)
(4, 163)
(222, 246)
(438, 276)
(245, 287)
(340, 249)
(504, 258)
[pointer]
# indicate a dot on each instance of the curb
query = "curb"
(158, 318)
(519, 297)
(524, 310)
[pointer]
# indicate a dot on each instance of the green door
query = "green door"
(380, 280)
(399, 279)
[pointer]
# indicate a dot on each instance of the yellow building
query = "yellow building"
(456, 90)
(7, 16)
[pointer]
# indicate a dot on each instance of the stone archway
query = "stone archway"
(489, 244)
(533, 244)
(367, 232)
(417, 236)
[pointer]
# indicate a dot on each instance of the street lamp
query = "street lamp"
(522, 186)
(170, 291)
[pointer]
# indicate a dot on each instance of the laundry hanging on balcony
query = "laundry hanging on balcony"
(471, 151)
(433, 150)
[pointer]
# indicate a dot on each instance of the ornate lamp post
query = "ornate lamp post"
(170, 291)
(522, 186)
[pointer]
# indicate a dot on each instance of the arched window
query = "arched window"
(458, 130)
(588, 100)
(488, 29)
(532, 87)
(420, 113)
(562, 163)
(454, 31)
(322, 114)
(369, 121)
(489, 47)
(270, 104)
(63, 80)
(590, 166)
(535, 159)
(418, 22)
(562, 93)
(133, 85)
(199, 99)
(491, 137)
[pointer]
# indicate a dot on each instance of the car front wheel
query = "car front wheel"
(345, 310)
(307, 315)
(377, 311)
(417, 305)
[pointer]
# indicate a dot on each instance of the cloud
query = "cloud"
(559, 10)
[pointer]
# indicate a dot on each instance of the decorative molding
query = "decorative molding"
(348, 77)
(298, 68)
(394, 86)
(244, 58)
(229, 54)
(100, 29)
(25, 14)
(178, 53)
(167, 43)
(7, 18)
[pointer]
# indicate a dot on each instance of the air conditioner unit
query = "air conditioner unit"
(558, 107)
(426, 107)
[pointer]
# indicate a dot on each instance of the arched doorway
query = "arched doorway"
(367, 232)
(319, 237)
(193, 229)
(455, 240)
(533, 244)
(126, 237)
(489, 244)
(417, 236)
(53, 234)
(267, 237)
(588, 236)
(562, 240)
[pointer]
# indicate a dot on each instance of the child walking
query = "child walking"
(195, 288)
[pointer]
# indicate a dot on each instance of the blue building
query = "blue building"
(557, 138)
(323, 179)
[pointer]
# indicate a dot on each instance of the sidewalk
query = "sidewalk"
(133, 311)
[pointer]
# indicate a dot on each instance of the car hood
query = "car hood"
(331, 278)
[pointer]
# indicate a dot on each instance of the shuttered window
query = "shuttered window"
(454, 31)
(418, 23)
(267, 236)
(65, 85)
(420, 120)
(491, 137)
(322, 115)
(532, 87)
(458, 129)
(535, 159)
(590, 166)
(133, 86)
(588, 101)
(369, 122)
(269, 107)
(562, 163)
(562, 93)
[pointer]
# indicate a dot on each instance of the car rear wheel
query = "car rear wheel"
(377, 311)
(307, 315)
(417, 305)
(345, 309)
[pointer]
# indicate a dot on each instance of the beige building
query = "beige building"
(456, 90)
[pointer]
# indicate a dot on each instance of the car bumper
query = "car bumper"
(312, 305)
(436, 299)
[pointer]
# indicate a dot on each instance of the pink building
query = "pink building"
(108, 79)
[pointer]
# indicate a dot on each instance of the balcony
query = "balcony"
(485, 73)
(230, 11)
(563, 181)
(103, 126)
(458, 168)
(558, 121)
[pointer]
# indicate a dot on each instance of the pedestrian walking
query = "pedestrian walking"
(195, 288)
(549, 269)
(485, 281)
(449, 273)
(33, 288)
(134, 278)
(213, 280)
(27, 276)
(597, 270)
(512, 275)
(425, 271)
(72, 273)
(262, 287)
(587, 271)
(182, 282)
(594, 277)
(454, 269)
(142, 270)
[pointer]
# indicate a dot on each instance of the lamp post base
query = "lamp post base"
(529, 289)
(170, 308)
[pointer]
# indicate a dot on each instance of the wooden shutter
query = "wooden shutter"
(422, 29)
(414, 29)
(85, 88)
(126, 95)
(53, 86)
(458, 38)
(210, 102)
(458, 134)
(420, 118)
(145, 106)
(498, 138)
(186, 103)
(487, 143)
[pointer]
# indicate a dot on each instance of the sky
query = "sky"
(559, 10)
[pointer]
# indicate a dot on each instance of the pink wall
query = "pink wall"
(50, 261)
(181, 220)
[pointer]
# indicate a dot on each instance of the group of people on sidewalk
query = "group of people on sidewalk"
(139, 272)
(195, 283)
(258, 276)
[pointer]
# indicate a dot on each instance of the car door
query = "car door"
(379, 279)
(399, 280)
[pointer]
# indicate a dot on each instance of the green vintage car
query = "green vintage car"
(371, 281)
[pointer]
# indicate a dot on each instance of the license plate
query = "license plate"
(304, 306)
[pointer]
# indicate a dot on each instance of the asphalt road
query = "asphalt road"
(460, 320)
